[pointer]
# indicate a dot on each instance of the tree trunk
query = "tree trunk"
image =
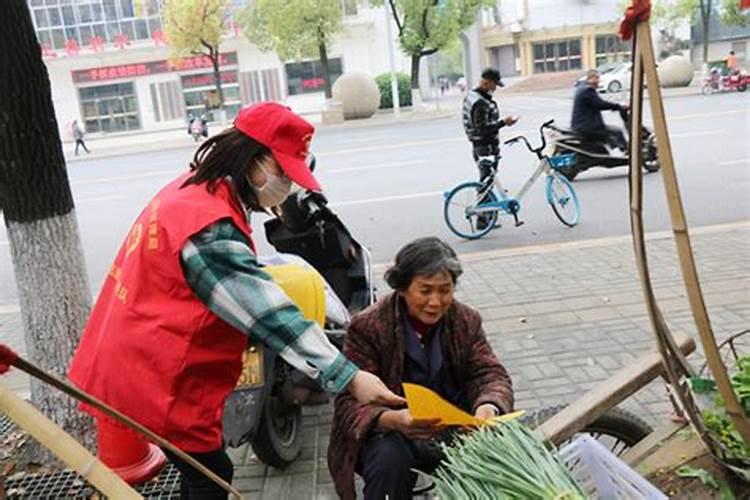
(40, 218)
(705, 6)
(326, 70)
(215, 59)
(705, 37)
(415, 58)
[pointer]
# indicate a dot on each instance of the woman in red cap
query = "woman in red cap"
(165, 339)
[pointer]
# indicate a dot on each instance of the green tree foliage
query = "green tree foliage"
(731, 14)
(668, 14)
(427, 26)
(294, 30)
(383, 81)
(196, 27)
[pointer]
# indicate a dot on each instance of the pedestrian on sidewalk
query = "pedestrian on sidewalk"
(165, 340)
(482, 122)
(420, 334)
(78, 136)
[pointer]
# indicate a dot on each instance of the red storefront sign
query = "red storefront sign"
(205, 79)
(149, 68)
(313, 83)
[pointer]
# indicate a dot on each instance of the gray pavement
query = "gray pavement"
(560, 316)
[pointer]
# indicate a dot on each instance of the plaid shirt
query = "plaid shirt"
(222, 270)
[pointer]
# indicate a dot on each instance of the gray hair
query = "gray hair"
(422, 257)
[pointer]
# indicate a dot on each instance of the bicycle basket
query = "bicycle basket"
(561, 161)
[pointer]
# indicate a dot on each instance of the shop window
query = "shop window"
(201, 97)
(141, 30)
(560, 55)
(610, 49)
(40, 18)
(110, 10)
(84, 13)
(69, 16)
(53, 14)
(307, 77)
(126, 8)
(58, 39)
(109, 108)
(97, 13)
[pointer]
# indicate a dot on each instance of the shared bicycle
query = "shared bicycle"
(472, 209)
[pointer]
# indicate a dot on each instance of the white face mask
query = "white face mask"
(275, 190)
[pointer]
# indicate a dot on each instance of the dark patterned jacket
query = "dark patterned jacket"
(481, 121)
(375, 342)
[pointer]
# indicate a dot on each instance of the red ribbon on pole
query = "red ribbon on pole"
(7, 357)
(636, 13)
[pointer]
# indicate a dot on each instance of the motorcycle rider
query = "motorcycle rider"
(481, 121)
(587, 113)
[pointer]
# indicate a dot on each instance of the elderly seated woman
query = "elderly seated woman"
(420, 334)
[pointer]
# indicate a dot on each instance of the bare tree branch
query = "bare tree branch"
(399, 25)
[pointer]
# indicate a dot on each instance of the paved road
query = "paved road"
(387, 182)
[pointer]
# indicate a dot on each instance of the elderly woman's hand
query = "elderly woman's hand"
(402, 421)
(486, 411)
(369, 389)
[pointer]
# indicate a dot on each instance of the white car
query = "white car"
(616, 79)
(613, 77)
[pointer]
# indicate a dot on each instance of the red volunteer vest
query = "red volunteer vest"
(150, 348)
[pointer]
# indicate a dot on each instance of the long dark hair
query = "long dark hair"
(227, 154)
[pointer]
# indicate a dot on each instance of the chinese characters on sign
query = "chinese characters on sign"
(150, 68)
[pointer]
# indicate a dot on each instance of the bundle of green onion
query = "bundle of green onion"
(503, 462)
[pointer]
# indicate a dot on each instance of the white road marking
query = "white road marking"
(392, 164)
(100, 198)
(696, 134)
(116, 178)
(382, 199)
(744, 161)
(704, 115)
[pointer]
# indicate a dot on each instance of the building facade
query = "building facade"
(525, 37)
(721, 39)
(110, 68)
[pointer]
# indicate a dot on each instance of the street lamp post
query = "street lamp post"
(391, 59)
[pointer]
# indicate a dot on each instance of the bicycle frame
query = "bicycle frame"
(511, 203)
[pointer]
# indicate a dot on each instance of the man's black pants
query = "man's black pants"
(611, 135)
(194, 485)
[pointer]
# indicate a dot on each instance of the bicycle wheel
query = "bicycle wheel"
(460, 213)
(562, 198)
(618, 429)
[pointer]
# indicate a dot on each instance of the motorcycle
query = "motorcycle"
(326, 272)
(716, 82)
(591, 152)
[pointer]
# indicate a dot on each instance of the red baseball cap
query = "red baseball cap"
(285, 133)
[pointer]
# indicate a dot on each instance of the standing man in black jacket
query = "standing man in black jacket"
(481, 119)
(587, 113)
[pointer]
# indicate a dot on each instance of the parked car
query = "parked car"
(613, 77)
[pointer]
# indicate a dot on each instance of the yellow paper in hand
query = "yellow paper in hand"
(425, 404)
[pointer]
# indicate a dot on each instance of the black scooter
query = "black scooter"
(590, 152)
(266, 406)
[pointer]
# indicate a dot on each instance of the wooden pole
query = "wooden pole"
(65, 447)
(682, 239)
(78, 394)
